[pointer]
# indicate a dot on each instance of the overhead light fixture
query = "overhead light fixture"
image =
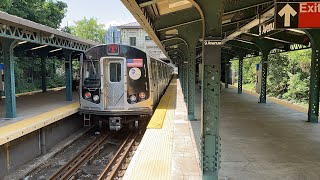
(176, 3)
(22, 42)
(256, 35)
(39, 47)
(226, 21)
(248, 42)
(296, 31)
(55, 50)
(279, 40)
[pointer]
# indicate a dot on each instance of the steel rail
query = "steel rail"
(70, 168)
(113, 167)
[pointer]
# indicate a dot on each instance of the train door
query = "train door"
(114, 83)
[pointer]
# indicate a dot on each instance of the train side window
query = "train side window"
(115, 72)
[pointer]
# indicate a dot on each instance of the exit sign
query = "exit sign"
(297, 15)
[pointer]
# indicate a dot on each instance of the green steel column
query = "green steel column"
(68, 72)
(191, 83)
(226, 74)
(313, 112)
(181, 75)
(264, 62)
(43, 72)
(9, 81)
(185, 80)
(240, 75)
(210, 111)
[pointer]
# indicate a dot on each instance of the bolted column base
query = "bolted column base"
(262, 101)
(312, 118)
(191, 117)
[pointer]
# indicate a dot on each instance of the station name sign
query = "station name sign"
(297, 15)
(266, 28)
(212, 42)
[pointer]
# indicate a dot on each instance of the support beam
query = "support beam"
(68, 72)
(185, 80)
(43, 141)
(10, 92)
(181, 74)
(210, 111)
(240, 74)
(265, 48)
(263, 91)
(43, 57)
(191, 82)
(226, 74)
(210, 92)
(313, 112)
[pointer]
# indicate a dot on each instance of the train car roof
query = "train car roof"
(126, 46)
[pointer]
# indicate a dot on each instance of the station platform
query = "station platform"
(258, 142)
(34, 111)
(167, 152)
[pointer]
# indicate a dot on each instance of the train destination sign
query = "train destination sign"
(297, 14)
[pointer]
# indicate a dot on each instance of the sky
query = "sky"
(107, 12)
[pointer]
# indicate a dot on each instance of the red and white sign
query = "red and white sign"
(297, 14)
(309, 15)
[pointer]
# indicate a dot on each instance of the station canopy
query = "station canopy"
(243, 23)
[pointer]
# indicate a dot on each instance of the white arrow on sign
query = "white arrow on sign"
(287, 11)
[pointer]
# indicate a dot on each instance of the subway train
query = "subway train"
(119, 84)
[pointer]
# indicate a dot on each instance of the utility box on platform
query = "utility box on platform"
(258, 78)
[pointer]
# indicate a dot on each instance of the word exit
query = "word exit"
(297, 15)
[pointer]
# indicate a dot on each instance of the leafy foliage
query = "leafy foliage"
(28, 68)
(46, 12)
(89, 29)
(288, 75)
(28, 73)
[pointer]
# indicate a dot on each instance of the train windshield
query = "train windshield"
(91, 74)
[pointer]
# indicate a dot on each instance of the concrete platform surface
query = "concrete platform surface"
(170, 152)
(259, 141)
(35, 104)
(266, 141)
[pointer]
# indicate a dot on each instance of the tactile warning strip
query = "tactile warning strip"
(166, 101)
(23, 127)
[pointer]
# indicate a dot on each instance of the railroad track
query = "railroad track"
(69, 170)
(117, 164)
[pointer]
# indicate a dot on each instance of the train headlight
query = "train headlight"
(142, 95)
(87, 95)
(96, 98)
(133, 98)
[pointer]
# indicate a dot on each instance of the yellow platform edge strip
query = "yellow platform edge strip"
(26, 126)
(296, 107)
(157, 119)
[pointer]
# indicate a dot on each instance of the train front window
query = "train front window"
(115, 72)
(91, 74)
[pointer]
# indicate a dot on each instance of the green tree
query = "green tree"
(89, 29)
(288, 75)
(278, 76)
(46, 12)
(5, 4)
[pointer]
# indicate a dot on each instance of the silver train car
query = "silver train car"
(119, 83)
